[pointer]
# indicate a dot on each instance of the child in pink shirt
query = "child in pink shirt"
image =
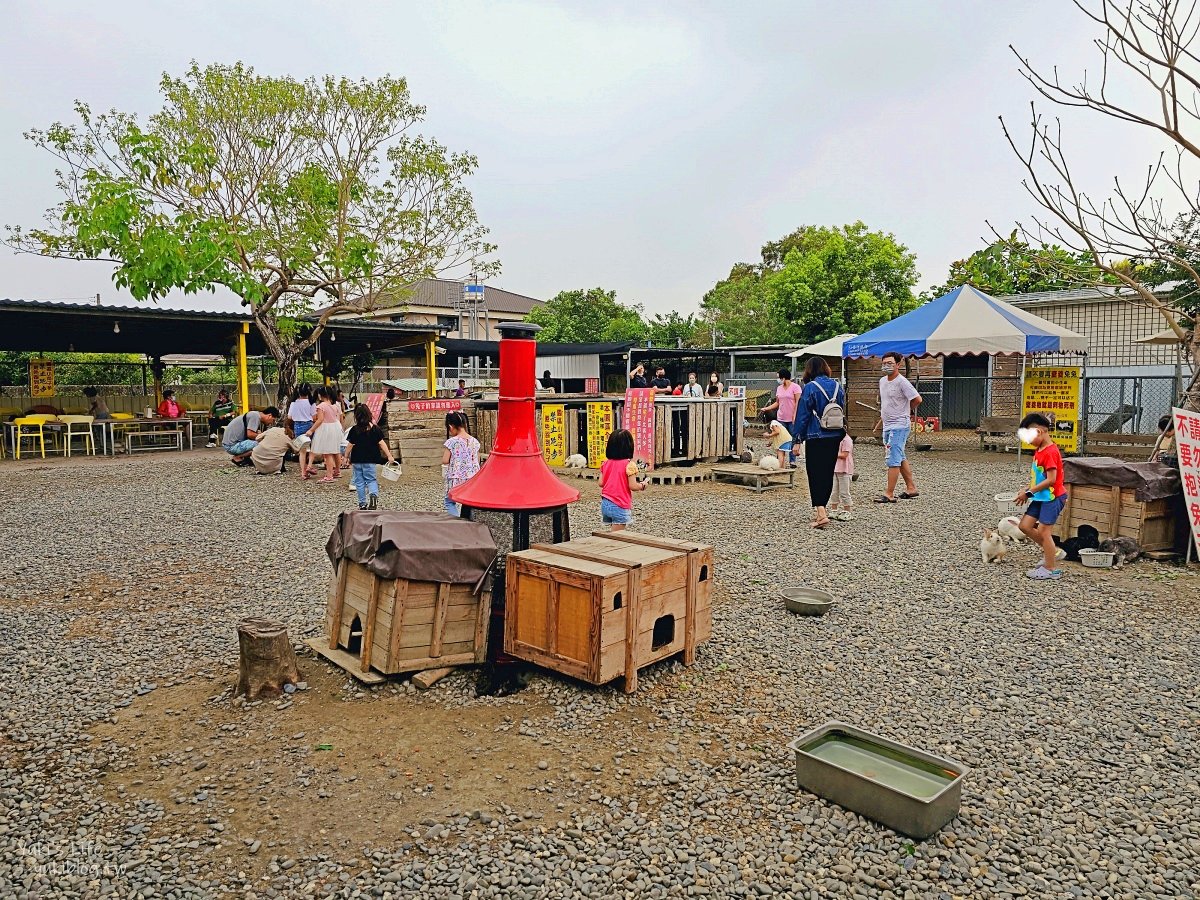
(843, 474)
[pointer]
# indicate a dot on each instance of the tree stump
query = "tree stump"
(266, 659)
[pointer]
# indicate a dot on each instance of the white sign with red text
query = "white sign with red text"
(1187, 446)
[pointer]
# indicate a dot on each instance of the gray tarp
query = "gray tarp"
(419, 546)
(1149, 480)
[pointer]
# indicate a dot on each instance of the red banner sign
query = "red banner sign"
(374, 403)
(591, 385)
(434, 405)
(638, 417)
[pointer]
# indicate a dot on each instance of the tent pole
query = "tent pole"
(1021, 396)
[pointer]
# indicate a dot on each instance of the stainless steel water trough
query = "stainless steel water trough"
(916, 816)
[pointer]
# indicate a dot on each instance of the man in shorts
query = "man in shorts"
(897, 401)
(242, 434)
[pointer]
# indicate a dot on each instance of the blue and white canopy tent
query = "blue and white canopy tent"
(965, 321)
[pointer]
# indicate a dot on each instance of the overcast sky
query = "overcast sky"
(640, 147)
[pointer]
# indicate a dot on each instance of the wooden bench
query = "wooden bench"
(998, 432)
(1133, 446)
(176, 433)
(762, 479)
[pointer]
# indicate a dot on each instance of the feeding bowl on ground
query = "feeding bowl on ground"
(1097, 559)
(906, 789)
(807, 601)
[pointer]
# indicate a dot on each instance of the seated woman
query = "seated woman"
(97, 408)
(272, 446)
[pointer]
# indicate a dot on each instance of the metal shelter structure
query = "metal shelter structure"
(43, 326)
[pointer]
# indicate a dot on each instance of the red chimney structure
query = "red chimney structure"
(515, 494)
(515, 477)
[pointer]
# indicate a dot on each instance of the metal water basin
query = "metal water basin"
(807, 601)
(906, 789)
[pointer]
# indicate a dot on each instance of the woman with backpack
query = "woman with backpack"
(820, 424)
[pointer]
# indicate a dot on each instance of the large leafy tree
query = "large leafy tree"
(814, 283)
(305, 198)
(588, 316)
(1012, 266)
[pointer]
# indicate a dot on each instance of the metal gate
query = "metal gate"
(1126, 404)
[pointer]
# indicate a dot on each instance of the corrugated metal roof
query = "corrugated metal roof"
(443, 293)
(147, 309)
(1080, 295)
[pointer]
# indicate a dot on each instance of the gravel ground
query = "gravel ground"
(1075, 704)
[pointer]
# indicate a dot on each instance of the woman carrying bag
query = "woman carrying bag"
(820, 425)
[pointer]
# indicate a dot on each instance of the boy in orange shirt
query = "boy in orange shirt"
(1046, 495)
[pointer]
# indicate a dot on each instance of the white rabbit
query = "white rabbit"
(993, 547)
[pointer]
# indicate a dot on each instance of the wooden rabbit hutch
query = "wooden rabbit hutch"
(604, 606)
(380, 620)
(1138, 500)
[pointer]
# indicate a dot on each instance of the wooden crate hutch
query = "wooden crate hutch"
(604, 606)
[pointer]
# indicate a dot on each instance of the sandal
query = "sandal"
(905, 495)
(884, 498)
(327, 480)
(820, 524)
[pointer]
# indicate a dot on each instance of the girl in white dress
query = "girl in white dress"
(327, 435)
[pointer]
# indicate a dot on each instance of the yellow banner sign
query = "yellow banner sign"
(1054, 392)
(41, 377)
(554, 434)
(599, 427)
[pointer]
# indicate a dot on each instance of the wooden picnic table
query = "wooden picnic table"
(763, 479)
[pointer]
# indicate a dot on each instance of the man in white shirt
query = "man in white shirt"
(898, 399)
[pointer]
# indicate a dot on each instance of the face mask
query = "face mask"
(1027, 435)
(780, 381)
(713, 379)
(691, 379)
(888, 369)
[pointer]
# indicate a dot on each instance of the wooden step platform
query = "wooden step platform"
(759, 479)
(343, 660)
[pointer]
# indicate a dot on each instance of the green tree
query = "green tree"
(306, 199)
(814, 283)
(739, 311)
(588, 316)
(673, 330)
(1012, 266)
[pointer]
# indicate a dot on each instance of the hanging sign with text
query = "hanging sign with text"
(554, 434)
(41, 377)
(434, 405)
(1054, 392)
(638, 417)
(599, 427)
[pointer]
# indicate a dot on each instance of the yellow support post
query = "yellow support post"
(431, 365)
(243, 370)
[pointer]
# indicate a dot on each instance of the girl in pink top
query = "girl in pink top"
(843, 474)
(327, 436)
(618, 481)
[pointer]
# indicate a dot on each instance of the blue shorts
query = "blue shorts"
(1046, 511)
(895, 439)
(788, 446)
(611, 514)
(300, 428)
(240, 447)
